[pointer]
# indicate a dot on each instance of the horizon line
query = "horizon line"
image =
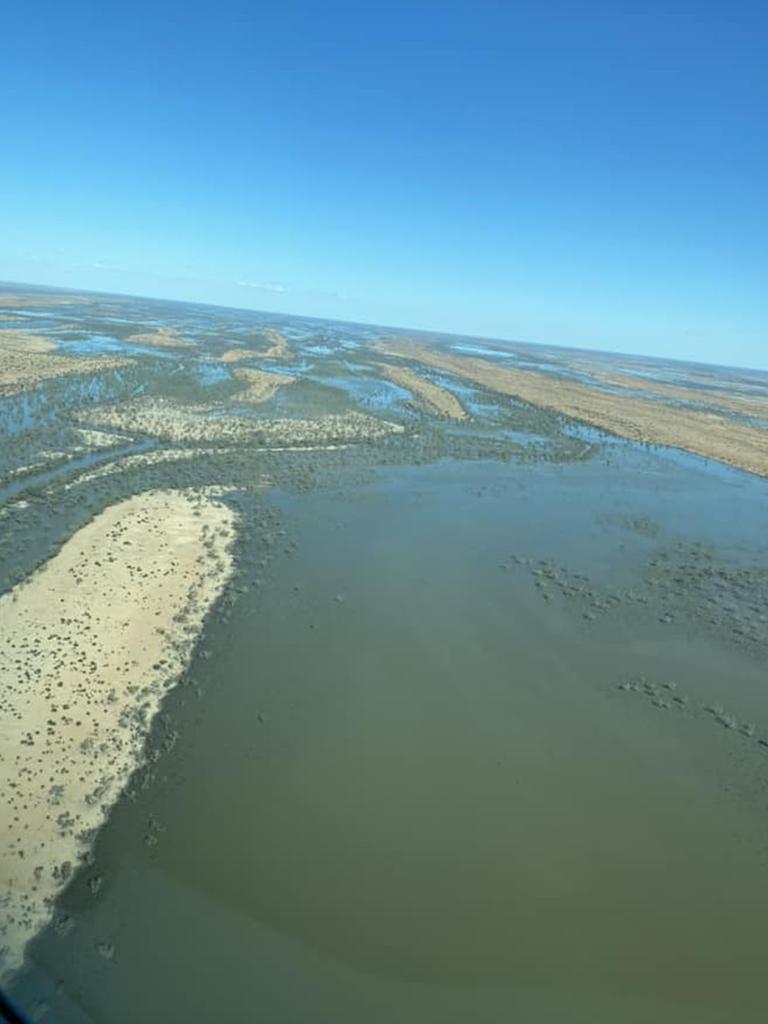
(56, 289)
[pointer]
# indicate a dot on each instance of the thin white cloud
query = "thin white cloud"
(267, 286)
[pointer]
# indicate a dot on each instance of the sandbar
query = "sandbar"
(163, 337)
(436, 399)
(261, 386)
(90, 644)
(277, 348)
(28, 359)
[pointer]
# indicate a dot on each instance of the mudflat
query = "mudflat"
(746, 405)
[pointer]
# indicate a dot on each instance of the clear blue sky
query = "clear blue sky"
(569, 172)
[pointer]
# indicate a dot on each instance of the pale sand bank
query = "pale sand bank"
(28, 359)
(260, 386)
(99, 439)
(163, 337)
(436, 399)
(637, 419)
(236, 355)
(15, 340)
(277, 348)
(89, 645)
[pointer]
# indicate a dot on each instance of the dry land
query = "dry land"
(752, 406)
(22, 300)
(260, 386)
(638, 419)
(236, 355)
(436, 399)
(163, 337)
(97, 439)
(277, 347)
(14, 340)
(185, 423)
(27, 359)
(90, 644)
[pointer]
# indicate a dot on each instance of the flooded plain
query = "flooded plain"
(476, 728)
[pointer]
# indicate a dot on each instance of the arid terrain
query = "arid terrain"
(660, 419)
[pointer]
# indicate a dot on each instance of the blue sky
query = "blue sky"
(586, 173)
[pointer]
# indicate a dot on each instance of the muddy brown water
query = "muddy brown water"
(406, 786)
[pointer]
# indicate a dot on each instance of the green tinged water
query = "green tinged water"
(411, 788)
(479, 731)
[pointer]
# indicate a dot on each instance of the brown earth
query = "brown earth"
(436, 399)
(638, 419)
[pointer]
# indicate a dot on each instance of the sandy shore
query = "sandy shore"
(436, 399)
(95, 440)
(163, 337)
(28, 359)
(236, 355)
(13, 340)
(260, 386)
(637, 419)
(277, 347)
(90, 644)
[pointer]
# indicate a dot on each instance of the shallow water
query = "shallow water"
(478, 732)
(410, 791)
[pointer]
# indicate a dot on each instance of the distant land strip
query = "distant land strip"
(436, 399)
(277, 347)
(744, 405)
(637, 419)
(28, 359)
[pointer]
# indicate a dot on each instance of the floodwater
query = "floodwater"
(478, 731)
(410, 789)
